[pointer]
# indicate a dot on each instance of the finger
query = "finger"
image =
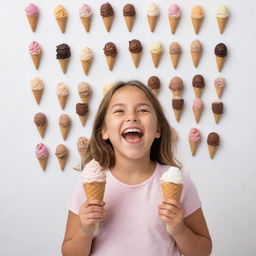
(173, 202)
(169, 207)
(166, 219)
(167, 213)
(94, 208)
(93, 202)
(94, 215)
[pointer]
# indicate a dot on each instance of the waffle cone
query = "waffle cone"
(64, 64)
(36, 60)
(152, 20)
(176, 92)
(196, 55)
(171, 190)
(110, 61)
(64, 131)
(86, 22)
(219, 91)
(177, 113)
(62, 100)
(173, 23)
(43, 162)
(220, 62)
(129, 20)
(62, 22)
(156, 59)
(197, 24)
(175, 59)
(86, 64)
(136, 58)
(41, 130)
(37, 95)
(193, 147)
(212, 150)
(94, 190)
(197, 114)
(198, 92)
(222, 24)
(108, 22)
(33, 20)
(62, 162)
(217, 118)
(83, 119)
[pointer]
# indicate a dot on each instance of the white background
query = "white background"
(33, 203)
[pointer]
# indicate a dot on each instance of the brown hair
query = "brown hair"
(162, 149)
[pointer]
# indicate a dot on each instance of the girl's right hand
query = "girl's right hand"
(91, 212)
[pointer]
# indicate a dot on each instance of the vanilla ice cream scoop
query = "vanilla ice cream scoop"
(173, 175)
(93, 172)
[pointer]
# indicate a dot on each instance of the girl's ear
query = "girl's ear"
(158, 133)
(104, 133)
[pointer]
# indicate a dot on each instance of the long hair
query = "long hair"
(163, 149)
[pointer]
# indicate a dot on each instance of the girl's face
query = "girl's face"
(130, 123)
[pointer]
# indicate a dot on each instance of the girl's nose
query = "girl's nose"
(131, 117)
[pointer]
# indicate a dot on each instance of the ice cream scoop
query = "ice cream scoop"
(152, 15)
(154, 85)
(63, 54)
(110, 52)
(86, 57)
(196, 51)
(174, 14)
(129, 14)
(37, 87)
(107, 13)
(135, 49)
(42, 154)
(198, 85)
(85, 14)
(222, 15)
(82, 110)
(213, 141)
(40, 121)
(176, 86)
(220, 83)
(194, 138)
(61, 17)
(62, 155)
(220, 52)
(197, 15)
(32, 12)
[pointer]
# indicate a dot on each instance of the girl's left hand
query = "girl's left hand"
(172, 213)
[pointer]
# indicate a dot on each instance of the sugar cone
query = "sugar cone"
(212, 150)
(136, 58)
(171, 190)
(86, 22)
(152, 20)
(64, 64)
(197, 114)
(129, 22)
(219, 91)
(85, 99)
(155, 91)
(86, 64)
(217, 118)
(33, 20)
(196, 55)
(156, 59)
(64, 131)
(62, 162)
(221, 24)
(193, 147)
(62, 100)
(43, 162)
(173, 23)
(108, 22)
(177, 113)
(220, 62)
(197, 24)
(110, 61)
(175, 59)
(198, 92)
(62, 22)
(176, 92)
(37, 95)
(83, 119)
(41, 130)
(36, 60)
(94, 190)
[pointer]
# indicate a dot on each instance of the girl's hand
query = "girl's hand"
(91, 212)
(172, 213)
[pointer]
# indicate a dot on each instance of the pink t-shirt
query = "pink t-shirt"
(131, 225)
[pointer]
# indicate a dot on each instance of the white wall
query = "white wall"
(33, 202)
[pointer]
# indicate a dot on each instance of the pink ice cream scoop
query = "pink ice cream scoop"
(174, 11)
(32, 10)
(198, 103)
(41, 151)
(93, 172)
(34, 48)
(194, 135)
(85, 11)
(220, 82)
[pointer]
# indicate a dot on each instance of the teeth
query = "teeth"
(132, 130)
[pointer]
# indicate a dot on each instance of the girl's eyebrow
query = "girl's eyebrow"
(139, 105)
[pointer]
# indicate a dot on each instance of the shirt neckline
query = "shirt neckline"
(135, 185)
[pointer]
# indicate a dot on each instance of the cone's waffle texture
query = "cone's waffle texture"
(152, 20)
(174, 23)
(212, 150)
(62, 22)
(37, 95)
(64, 132)
(197, 114)
(64, 64)
(86, 64)
(86, 22)
(197, 24)
(220, 62)
(171, 190)
(83, 119)
(43, 162)
(110, 61)
(136, 58)
(108, 22)
(177, 113)
(175, 59)
(36, 60)
(62, 100)
(94, 190)
(41, 130)
(33, 22)
(219, 91)
(222, 24)
(62, 162)
(198, 92)
(156, 59)
(196, 58)
(129, 22)
(193, 147)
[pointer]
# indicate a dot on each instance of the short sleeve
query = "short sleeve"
(189, 197)
(77, 197)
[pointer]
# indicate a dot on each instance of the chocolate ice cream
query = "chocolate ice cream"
(221, 50)
(40, 119)
(64, 120)
(198, 81)
(106, 10)
(82, 109)
(154, 82)
(177, 103)
(135, 46)
(63, 51)
(110, 49)
(129, 10)
(61, 151)
(213, 139)
(217, 108)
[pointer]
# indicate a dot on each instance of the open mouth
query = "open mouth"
(132, 135)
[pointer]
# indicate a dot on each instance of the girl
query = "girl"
(132, 140)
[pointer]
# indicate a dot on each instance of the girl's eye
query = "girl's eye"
(118, 111)
(143, 110)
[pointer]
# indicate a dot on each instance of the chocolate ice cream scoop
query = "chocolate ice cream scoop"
(110, 49)
(154, 82)
(64, 120)
(217, 107)
(63, 51)
(129, 10)
(61, 151)
(40, 119)
(198, 81)
(213, 139)
(221, 50)
(177, 103)
(176, 83)
(106, 10)
(135, 46)
(82, 109)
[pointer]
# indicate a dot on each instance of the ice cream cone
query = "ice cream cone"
(193, 147)
(136, 58)
(212, 150)
(222, 23)
(177, 113)
(198, 92)
(94, 190)
(152, 22)
(175, 59)
(64, 64)
(85, 99)
(41, 129)
(220, 62)
(156, 58)
(174, 21)
(219, 91)
(195, 57)
(62, 162)
(64, 132)
(33, 20)
(37, 95)
(43, 162)
(110, 61)
(155, 91)
(36, 59)
(62, 22)
(62, 100)
(108, 22)
(83, 119)
(86, 22)
(217, 118)
(171, 190)
(86, 64)
(176, 92)
(197, 24)
(129, 22)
